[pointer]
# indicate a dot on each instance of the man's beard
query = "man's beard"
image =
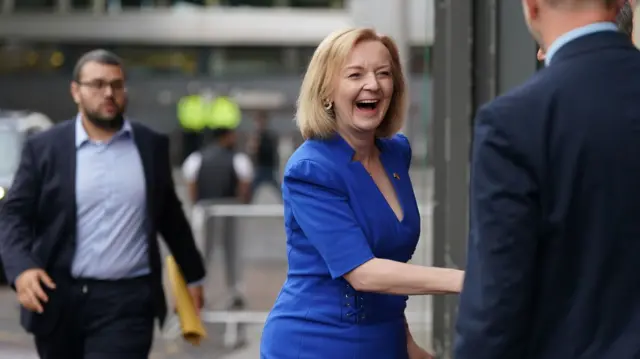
(113, 124)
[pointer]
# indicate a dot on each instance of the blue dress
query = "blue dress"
(336, 219)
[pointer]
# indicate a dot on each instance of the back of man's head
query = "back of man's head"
(583, 3)
(549, 19)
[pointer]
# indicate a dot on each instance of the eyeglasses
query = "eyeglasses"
(102, 85)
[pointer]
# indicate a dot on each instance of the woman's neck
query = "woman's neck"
(364, 145)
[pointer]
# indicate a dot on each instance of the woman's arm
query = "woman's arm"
(387, 276)
(321, 209)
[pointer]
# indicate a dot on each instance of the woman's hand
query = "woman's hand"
(458, 280)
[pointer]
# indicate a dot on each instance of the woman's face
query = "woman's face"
(363, 88)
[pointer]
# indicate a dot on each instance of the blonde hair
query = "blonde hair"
(312, 118)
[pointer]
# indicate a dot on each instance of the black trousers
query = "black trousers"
(103, 320)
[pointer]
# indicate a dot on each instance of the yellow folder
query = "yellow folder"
(192, 329)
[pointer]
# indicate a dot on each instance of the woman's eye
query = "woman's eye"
(353, 76)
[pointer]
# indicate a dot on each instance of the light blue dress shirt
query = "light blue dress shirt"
(111, 236)
(574, 34)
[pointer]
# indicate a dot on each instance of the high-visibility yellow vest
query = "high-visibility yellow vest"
(192, 113)
(223, 113)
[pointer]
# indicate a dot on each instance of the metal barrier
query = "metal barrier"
(201, 213)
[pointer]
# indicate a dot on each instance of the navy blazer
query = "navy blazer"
(38, 218)
(554, 245)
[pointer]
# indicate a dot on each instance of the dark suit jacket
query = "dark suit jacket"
(38, 218)
(553, 268)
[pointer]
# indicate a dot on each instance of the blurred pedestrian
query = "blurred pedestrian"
(192, 116)
(80, 224)
(263, 148)
(219, 174)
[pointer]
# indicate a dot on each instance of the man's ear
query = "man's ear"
(531, 8)
(75, 89)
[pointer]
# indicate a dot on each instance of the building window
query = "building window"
(194, 2)
(22, 58)
(334, 4)
(34, 5)
(81, 4)
(129, 3)
(142, 61)
(118, 4)
(248, 61)
(139, 60)
(419, 60)
(304, 57)
(256, 3)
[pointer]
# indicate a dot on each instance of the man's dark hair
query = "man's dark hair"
(100, 56)
(625, 19)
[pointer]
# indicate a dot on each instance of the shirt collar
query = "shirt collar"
(82, 136)
(574, 34)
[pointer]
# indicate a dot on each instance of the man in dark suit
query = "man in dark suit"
(552, 266)
(78, 230)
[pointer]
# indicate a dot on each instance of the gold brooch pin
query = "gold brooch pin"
(395, 175)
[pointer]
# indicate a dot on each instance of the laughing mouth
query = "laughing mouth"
(367, 104)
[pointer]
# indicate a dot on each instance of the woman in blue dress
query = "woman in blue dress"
(350, 213)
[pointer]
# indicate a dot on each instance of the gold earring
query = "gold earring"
(328, 106)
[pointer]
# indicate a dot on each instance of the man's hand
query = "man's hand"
(416, 352)
(197, 296)
(29, 288)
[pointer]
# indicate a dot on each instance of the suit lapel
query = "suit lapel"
(145, 149)
(67, 166)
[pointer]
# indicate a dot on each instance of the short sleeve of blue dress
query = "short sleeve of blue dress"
(324, 215)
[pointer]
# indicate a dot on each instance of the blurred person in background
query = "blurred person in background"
(554, 237)
(263, 148)
(220, 174)
(624, 20)
(192, 116)
(218, 170)
(79, 229)
(350, 213)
